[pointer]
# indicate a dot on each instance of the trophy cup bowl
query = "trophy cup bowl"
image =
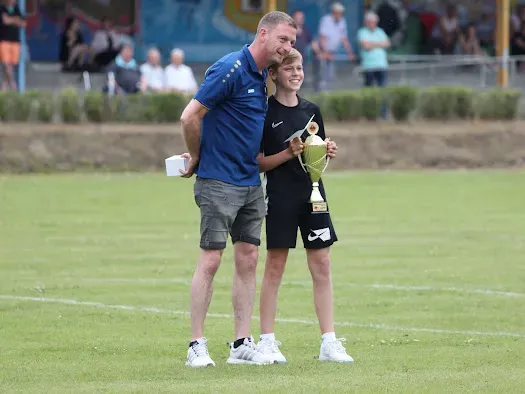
(314, 161)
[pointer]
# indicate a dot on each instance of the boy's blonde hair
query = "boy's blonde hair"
(291, 57)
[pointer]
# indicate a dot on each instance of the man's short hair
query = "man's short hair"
(177, 51)
(274, 18)
(292, 56)
(371, 16)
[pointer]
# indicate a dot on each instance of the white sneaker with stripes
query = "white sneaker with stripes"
(248, 353)
(198, 355)
(271, 347)
(334, 351)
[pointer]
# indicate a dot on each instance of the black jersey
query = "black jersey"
(287, 186)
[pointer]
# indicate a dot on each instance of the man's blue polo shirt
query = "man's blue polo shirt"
(234, 91)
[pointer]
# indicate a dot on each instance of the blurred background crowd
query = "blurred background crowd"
(166, 45)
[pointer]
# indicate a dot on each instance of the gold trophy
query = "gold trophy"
(314, 161)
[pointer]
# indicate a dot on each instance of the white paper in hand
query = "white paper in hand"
(174, 164)
(299, 133)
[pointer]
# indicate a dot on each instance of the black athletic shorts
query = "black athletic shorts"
(316, 229)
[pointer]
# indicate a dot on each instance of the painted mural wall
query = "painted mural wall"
(204, 29)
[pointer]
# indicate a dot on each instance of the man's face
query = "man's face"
(337, 15)
(289, 75)
(299, 18)
(127, 54)
(279, 41)
(154, 58)
(176, 59)
(371, 23)
(106, 25)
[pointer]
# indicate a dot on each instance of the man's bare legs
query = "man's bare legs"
(319, 265)
(273, 274)
(244, 287)
(202, 289)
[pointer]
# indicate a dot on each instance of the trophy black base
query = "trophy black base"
(319, 207)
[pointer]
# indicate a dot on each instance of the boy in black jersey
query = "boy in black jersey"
(288, 190)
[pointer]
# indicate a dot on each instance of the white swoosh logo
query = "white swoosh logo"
(274, 125)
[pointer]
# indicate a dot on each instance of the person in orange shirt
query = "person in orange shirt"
(11, 20)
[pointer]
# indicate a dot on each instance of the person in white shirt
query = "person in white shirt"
(332, 33)
(152, 72)
(105, 45)
(177, 76)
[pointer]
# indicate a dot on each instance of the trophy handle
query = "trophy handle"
(301, 162)
(327, 161)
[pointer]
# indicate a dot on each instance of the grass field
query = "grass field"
(429, 280)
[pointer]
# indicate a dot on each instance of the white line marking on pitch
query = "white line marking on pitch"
(381, 286)
(281, 320)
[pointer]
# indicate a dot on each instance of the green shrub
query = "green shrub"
(372, 101)
(4, 106)
(401, 101)
(70, 108)
(45, 107)
(18, 107)
(346, 105)
(438, 103)
(95, 106)
(321, 99)
(498, 104)
(464, 108)
(168, 106)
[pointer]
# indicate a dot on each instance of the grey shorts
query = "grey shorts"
(228, 209)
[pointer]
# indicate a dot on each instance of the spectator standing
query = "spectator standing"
(152, 72)
(373, 42)
(11, 20)
(304, 36)
(332, 33)
(178, 76)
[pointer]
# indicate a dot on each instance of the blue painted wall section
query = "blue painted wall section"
(204, 29)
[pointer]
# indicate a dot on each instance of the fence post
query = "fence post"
(23, 50)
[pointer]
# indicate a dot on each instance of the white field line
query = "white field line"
(380, 286)
(280, 320)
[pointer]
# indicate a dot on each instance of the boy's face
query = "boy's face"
(289, 76)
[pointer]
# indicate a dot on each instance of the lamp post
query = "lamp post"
(502, 41)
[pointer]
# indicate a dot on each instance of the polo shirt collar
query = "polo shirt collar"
(251, 61)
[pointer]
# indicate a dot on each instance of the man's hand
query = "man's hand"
(192, 164)
(331, 148)
(296, 146)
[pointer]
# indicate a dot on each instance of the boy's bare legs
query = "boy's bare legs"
(319, 265)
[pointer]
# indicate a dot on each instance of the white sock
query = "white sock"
(328, 336)
(270, 337)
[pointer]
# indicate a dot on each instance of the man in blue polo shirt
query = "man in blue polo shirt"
(222, 128)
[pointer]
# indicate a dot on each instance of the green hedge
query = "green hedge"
(403, 103)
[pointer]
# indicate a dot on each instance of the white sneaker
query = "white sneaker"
(198, 355)
(248, 353)
(271, 347)
(334, 351)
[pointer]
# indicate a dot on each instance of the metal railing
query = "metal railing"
(432, 64)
